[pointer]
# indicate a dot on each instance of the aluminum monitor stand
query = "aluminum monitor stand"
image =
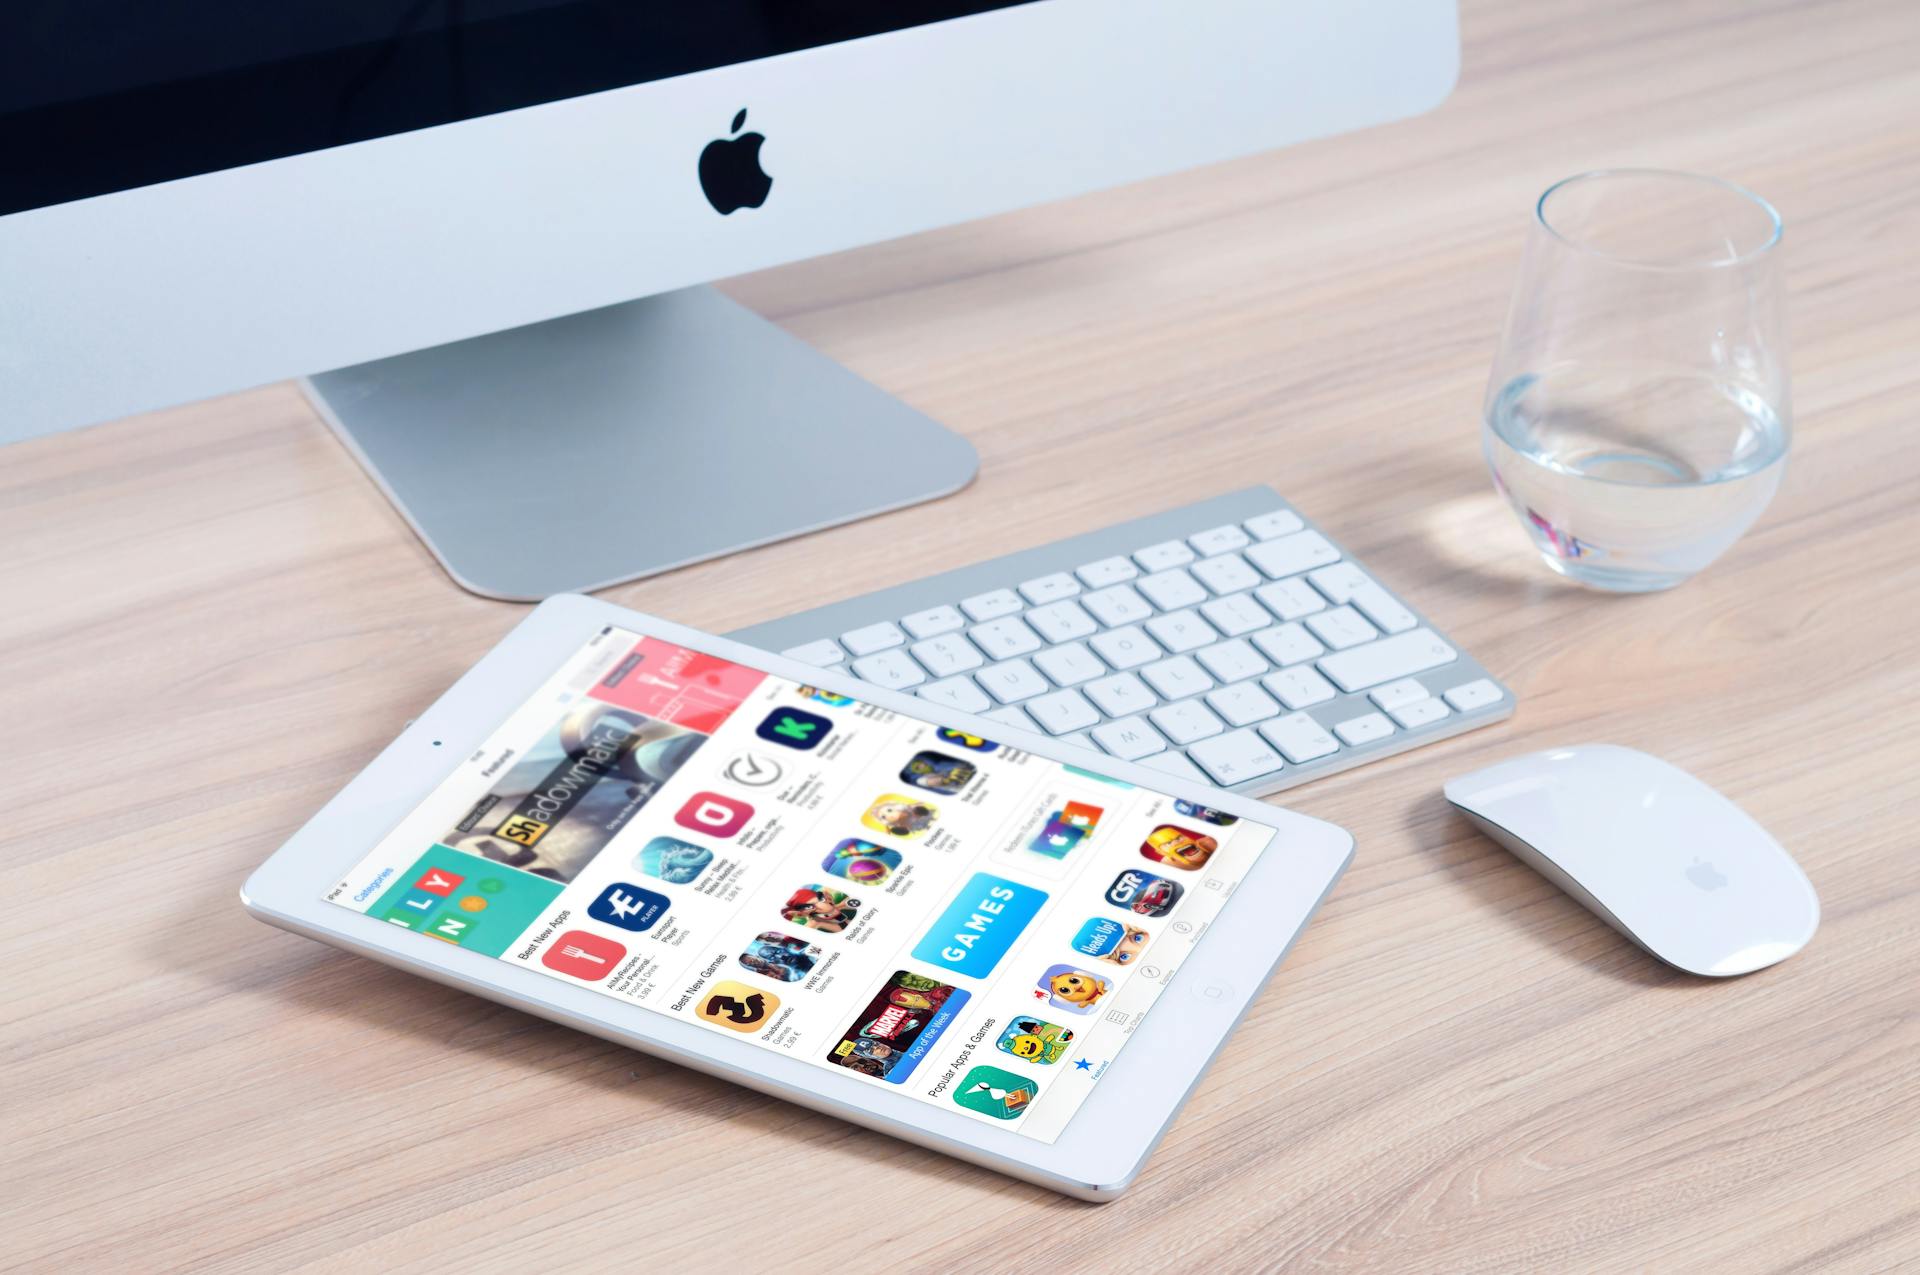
(605, 446)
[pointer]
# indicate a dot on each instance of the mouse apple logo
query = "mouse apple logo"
(1705, 875)
(730, 172)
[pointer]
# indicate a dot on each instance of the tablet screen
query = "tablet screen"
(974, 926)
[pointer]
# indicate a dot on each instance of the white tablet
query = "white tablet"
(1007, 948)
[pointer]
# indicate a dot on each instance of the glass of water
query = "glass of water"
(1637, 417)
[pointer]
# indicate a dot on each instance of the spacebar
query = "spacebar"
(1357, 668)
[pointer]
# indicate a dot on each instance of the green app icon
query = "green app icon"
(996, 1093)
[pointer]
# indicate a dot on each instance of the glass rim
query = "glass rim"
(1776, 226)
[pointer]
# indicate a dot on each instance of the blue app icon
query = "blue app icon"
(628, 907)
(794, 728)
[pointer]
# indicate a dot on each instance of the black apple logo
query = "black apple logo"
(730, 172)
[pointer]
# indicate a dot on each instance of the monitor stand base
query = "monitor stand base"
(601, 447)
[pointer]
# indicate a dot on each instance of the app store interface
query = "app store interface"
(944, 915)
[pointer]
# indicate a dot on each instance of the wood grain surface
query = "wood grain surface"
(213, 620)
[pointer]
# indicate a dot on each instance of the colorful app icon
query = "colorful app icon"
(672, 860)
(1178, 848)
(861, 862)
(751, 770)
(820, 907)
(465, 900)
(1065, 829)
(898, 1027)
(1072, 989)
(780, 956)
(1035, 1040)
(585, 956)
(794, 728)
(996, 1093)
(1206, 814)
(831, 698)
(628, 907)
(900, 816)
(948, 736)
(936, 772)
(713, 814)
(1143, 892)
(736, 1007)
(1109, 940)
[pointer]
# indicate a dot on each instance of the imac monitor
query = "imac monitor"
(481, 229)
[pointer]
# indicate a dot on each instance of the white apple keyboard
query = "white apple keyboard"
(1229, 641)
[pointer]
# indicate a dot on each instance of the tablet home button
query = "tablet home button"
(1214, 993)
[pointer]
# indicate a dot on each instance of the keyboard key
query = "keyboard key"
(1281, 522)
(1243, 705)
(1177, 678)
(1129, 738)
(1236, 615)
(1300, 738)
(1069, 664)
(1011, 681)
(1061, 621)
(1011, 715)
(1219, 540)
(1475, 694)
(1098, 575)
(1181, 631)
(992, 604)
(1005, 638)
(1170, 590)
(1290, 555)
(1227, 573)
(819, 654)
(1062, 711)
(1298, 687)
(1389, 659)
(1168, 553)
(1050, 588)
(890, 669)
(934, 621)
(1125, 648)
(947, 654)
(1365, 729)
(1186, 721)
(1286, 644)
(874, 637)
(1176, 764)
(1290, 599)
(1236, 757)
(1121, 695)
(1421, 712)
(1339, 581)
(1117, 605)
(1232, 660)
(1383, 609)
(1080, 739)
(1395, 694)
(957, 693)
(1341, 628)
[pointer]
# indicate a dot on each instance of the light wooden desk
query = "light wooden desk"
(213, 620)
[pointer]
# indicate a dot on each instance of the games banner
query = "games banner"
(898, 1028)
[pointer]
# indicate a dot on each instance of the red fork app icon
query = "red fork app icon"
(583, 955)
(713, 814)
